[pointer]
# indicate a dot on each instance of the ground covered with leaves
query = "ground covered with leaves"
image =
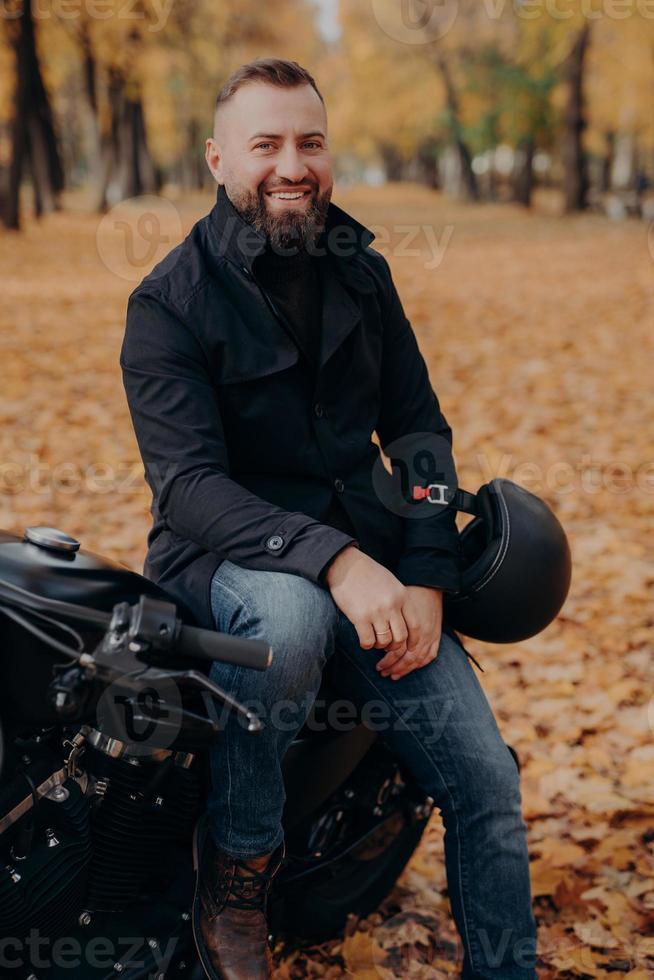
(537, 331)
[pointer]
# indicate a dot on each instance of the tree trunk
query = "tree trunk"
(90, 76)
(44, 200)
(127, 167)
(427, 157)
(575, 176)
(523, 174)
(393, 162)
(607, 163)
(18, 153)
(468, 177)
(33, 130)
(110, 140)
(89, 67)
(137, 170)
(199, 170)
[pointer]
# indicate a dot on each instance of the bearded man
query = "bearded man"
(259, 358)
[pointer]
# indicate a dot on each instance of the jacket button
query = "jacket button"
(339, 486)
(275, 542)
(318, 410)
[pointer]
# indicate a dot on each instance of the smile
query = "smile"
(288, 195)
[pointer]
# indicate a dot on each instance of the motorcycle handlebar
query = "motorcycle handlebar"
(207, 645)
(190, 640)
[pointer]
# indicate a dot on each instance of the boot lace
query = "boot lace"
(249, 890)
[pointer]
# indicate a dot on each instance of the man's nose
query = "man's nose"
(290, 165)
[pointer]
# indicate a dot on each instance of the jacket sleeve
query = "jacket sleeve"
(176, 417)
(431, 554)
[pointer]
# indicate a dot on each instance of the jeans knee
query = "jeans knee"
(294, 615)
(492, 783)
(288, 611)
(301, 619)
(298, 620)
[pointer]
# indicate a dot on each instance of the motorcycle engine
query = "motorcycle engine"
(97, 828)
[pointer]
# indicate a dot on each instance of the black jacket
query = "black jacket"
(243, 453)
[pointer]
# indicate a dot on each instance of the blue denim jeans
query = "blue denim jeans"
(436, 720)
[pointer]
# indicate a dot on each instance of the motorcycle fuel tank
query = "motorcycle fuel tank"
(51, 563)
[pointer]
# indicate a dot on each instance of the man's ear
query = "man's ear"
(214, 159)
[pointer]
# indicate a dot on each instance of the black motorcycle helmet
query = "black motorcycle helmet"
(516, 565)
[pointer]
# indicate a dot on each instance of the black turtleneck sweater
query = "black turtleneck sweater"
(294, 285)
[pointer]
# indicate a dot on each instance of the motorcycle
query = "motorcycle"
(107, 713)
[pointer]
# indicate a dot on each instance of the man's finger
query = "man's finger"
(366, 635)
(406, 664)
(415, 638)
(392, 657)
(395, 654)
(396, 639)
(383, 636)
(400, 634)
(399, 628)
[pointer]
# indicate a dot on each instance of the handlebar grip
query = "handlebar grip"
(210, 645)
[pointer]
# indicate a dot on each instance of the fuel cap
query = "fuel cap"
(51, 537)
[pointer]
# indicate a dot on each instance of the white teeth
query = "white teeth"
(287, 197)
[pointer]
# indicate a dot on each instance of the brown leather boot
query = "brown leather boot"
(229, 909)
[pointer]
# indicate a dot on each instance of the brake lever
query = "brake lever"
(130, 673)
(195, 679)
(116, 660)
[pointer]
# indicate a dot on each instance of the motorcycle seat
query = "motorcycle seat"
(332, 712)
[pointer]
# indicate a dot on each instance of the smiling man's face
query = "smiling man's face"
(269, 149)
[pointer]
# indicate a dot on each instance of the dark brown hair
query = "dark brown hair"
(273, 71)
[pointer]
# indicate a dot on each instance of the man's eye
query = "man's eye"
(310, 143)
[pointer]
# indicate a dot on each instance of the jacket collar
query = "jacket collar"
(233, 238)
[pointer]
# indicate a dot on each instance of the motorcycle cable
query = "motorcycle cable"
(16, 595)
(64, 627)
(41, 635)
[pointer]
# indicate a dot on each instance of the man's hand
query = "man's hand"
(371, 598)
(405, 621)
(423, 614)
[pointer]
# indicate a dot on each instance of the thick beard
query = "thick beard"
(288, 230)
